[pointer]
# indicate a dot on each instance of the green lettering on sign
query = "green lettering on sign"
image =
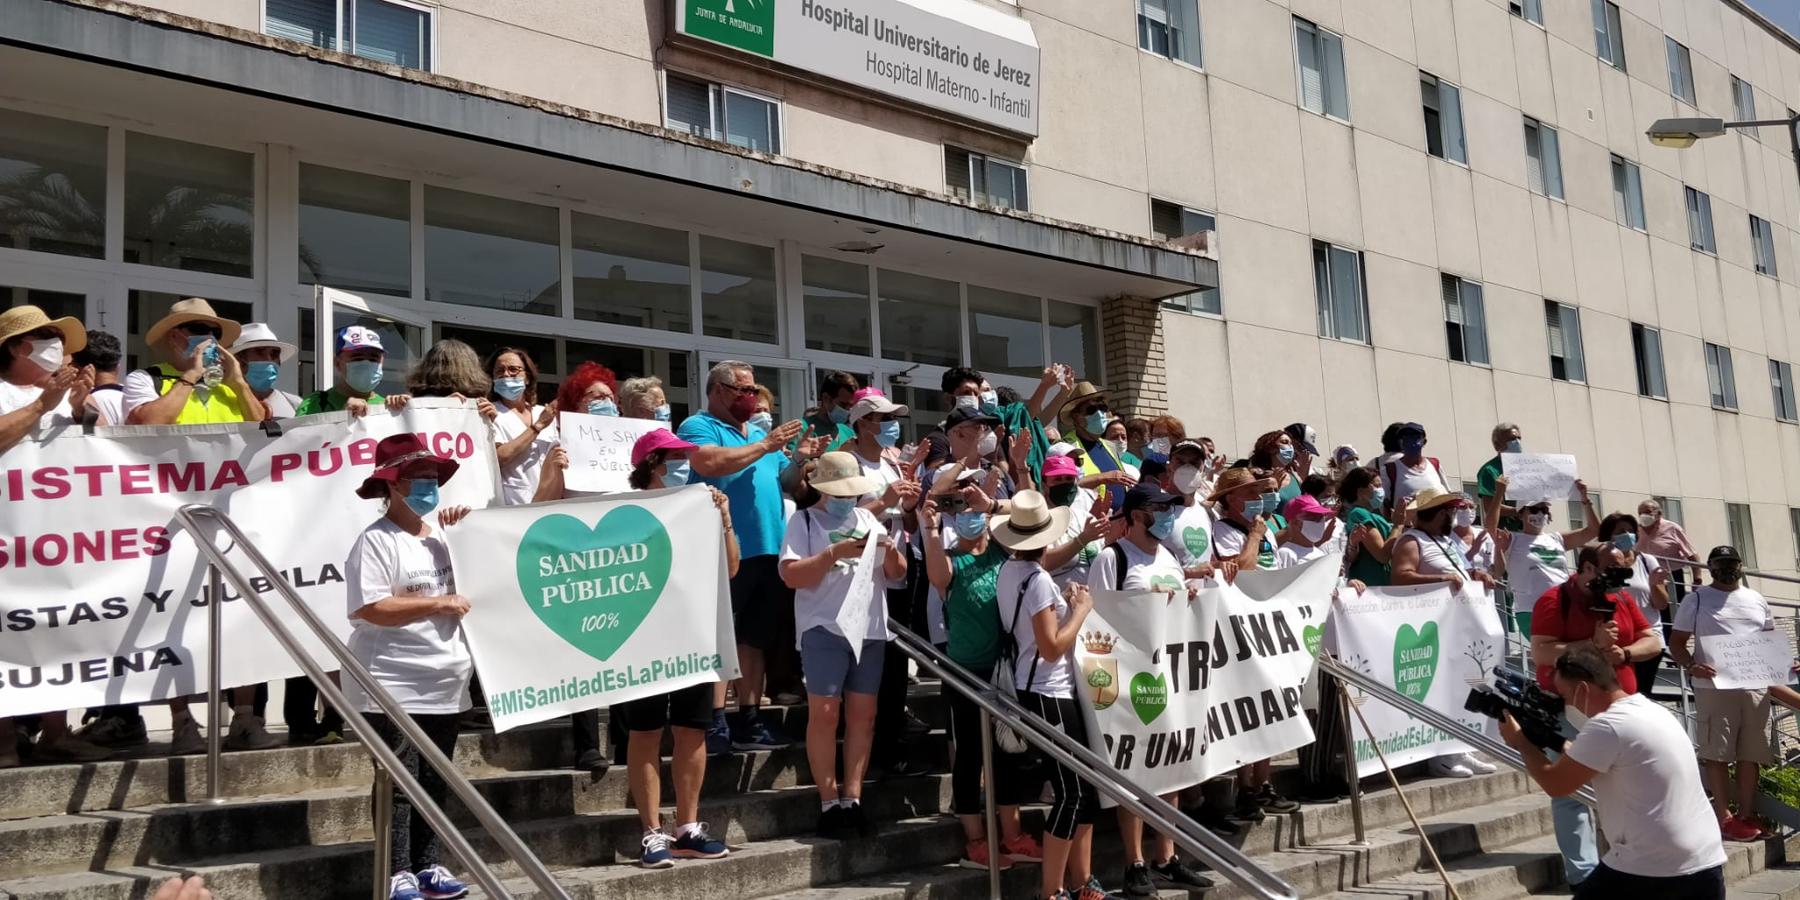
(594, 586)
(1149, 696)
(748, 25)
(1415, 660)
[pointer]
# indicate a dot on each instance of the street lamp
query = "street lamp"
(1680, 134)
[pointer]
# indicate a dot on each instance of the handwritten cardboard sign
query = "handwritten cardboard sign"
(1538, 476)
(599, 449)
(1755, 660)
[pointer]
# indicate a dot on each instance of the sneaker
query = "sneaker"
(788, 698)
(1023, 848)
(697, 844)
(1448, 767)
(1274, 803)
(857, 821)
(1180, 875)
(68, 749)
(718, 740)
(1093, 891)
(303, 737)
(975, 856)
(327, 739)
(436, 883)
(902, 768)
(114, 731)
(186, 739)
(754, 734)
(1248, 807)
(592, 761)
(1137, 880)
(1216, 821)
(247, 732)
(834, 823)
(656, 850)
(1736, 829)
(404, 886)
(1478, 766)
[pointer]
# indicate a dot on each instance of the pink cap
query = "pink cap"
(658, 439)
(1307, 505)
(1061, 465)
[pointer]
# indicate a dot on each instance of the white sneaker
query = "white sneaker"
(247, 732)
(1477, 765)
(187, 738)
(1448, 767)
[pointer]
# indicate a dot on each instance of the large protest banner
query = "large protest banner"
(106, 597)
(580, 604)
(1429, 644)
(1177, 691)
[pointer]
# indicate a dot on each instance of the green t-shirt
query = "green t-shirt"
(970, 613)
(1487, 483)
(328, 402)
(1367, 569)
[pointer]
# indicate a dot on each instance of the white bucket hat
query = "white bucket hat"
(1031, 523)
(257, 335)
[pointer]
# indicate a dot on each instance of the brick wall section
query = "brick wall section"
(1136, 377)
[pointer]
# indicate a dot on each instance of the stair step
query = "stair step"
(1770, 884)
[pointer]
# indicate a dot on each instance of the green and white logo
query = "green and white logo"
(748, 25)
(1149, 696)
(594, 586)
(1415, 660)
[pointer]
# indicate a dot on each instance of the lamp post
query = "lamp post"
(1682, 133)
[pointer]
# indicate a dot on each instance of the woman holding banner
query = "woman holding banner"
(659, 459)
(406, 629)
(524, 431)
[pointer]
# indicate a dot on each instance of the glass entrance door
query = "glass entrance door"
(402, 337)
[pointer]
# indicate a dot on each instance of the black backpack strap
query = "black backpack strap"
(1012, 630)
(1119, 565)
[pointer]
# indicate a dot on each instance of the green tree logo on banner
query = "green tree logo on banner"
(748, 25)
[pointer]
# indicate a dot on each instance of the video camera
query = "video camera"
(1610, 581)
(1538, 712)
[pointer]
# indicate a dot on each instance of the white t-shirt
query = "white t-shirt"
(1535, 564)
(1402, 482)
(1191, 539)
(1480, 557)
(1710, 612)
(809, 533)
(1438, 556)
(1052, 679)
(1228, 542)
(15, 397)
(1075, 571)
(140, 389)
(108, 403)
(425, 665)
(1654, 814)
(1143, 571)
(519, 481)
(883, 474)
(1290, 554)
(281, 404)
(1639, 586)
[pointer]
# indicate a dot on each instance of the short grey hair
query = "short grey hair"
(635, 392)
(1503, 432)
(725, 372)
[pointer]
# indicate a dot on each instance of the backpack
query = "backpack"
(1005, 737)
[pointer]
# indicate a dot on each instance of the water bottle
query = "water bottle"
(215, 372)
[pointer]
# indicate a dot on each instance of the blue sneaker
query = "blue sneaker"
(697, 844)
(404, 886)
(718, 739)
(436, 883)
(754, 734)
(656, 850)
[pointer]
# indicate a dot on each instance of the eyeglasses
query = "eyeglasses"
(202, 329)
(742, 390)
(506, 371)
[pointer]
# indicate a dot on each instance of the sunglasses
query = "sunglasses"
(203, 329)
(743, 390)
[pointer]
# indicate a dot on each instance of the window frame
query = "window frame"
(1190, 7)
(1323, 38)
(718, 128)
(1743, 101)
(1444, 88)
(1781, 387)
(1522, 9)
(1701, 234)
(1466, 290)
(1652, 372)
(1326, 304)
(1021, 176)
(1549, 161)
(1721, 377)
(1608, 34)
(1193, 302)
(1566, 316)
(1742, 534)
(343, 37)
(1681, 71)
(1628, 193)
(1762, 246)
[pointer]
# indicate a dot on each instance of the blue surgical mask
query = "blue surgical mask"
(762, 420)
(1271, 502)
(1378, 498)
(362, 375)
(212, 353)
(602, 408)
(1285, 454)
(888, 435)
(969, 524)
(839, 415)
(1095, 423)
(663, 413)
(262, 375)
(1253, 508)
(676, 473)
(1513, 446)
(1412, 446)
(1625, 541)
(423, 497)
(510, 388)
(990, 401)
(839, 507)
(1163, 525)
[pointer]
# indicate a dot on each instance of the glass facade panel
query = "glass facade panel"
(1006, 332)
(490, 252)
(354, 231)
(914, 309)
(836, 298)
(737, 290)
(628, 273)
(189, 206)
(1075, 338)
(52, 185)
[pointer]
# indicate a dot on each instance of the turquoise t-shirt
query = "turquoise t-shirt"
(970, 613)
(754, 491)
(1367, 569)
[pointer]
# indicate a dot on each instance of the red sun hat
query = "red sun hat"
(654, 440)
(397, 455)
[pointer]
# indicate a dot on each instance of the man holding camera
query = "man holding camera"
(1589, 609)
(1636, 756)
(1733, 723)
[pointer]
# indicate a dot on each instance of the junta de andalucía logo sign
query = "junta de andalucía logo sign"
(748, 25)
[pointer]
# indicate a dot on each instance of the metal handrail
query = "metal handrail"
(388, 763)
(1439, 720)
(1218, 855)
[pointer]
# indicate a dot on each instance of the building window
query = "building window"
(1628, 193)
(1170, 28)
(1321, 55)
(1681, 71)
(1170, 221)
(382, 30)
(1781, 382)
(1075, 336)
(1562, 323)
(1646, 348)
(1721, 382)
(737, 290)
(720, 113)
(835, 302)
(492, 252)
(1743, 99)
(52, 185)
(1671, 508)
(1700, 224)
(355, 231)
(1443, 118)
(1609, 40)
(915, 315)
(1794, 526)
(1762, 242)
(1006, 332)
(1529, 10)
(1338, 283)
(630, 273)
(1465, 320)
(983, 179)
(189, 206)
(1740, 525)
(1543, 159)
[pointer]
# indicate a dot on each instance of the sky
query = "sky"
(1785, 13)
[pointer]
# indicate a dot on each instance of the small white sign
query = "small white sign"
(1531, 477)
(859, 603)
(1754, 661)
(599, 449)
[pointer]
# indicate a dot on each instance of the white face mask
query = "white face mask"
(1646, 520)
(1537, 521)
(989, 443)
(968, 402)
(1465, 518)
(1160, 446)
(47, 354)
(1187, 480)
(1314, 530)
(1117, 448)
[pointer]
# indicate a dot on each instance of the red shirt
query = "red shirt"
(1548, 620)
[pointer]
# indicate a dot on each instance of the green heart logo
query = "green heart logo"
(594, 586)
(1165, 583)
(1149, 696)
(1314, 637)
(1197, 541)
(1415, 660)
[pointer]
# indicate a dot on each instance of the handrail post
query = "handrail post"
(383, 817)
(1350, 775)
(990, 817)
(215, 630)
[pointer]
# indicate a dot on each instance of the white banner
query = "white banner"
(1754, 661)
(1531, 477)
(1425, 642)
(580, 604)
(106, 599)
(1177, 691)
(599, 449)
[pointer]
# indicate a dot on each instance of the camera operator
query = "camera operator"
(1733, 723)
(1588, 610)
(1637, 757)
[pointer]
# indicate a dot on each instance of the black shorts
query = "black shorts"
(690, 707)
(1611, 884)
(758, 599)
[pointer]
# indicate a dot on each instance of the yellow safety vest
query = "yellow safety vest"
(203, 407)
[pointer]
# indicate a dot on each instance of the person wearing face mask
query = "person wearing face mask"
(524, 430)
(1476, 542)
(643, 398)
(1536, 557)
(1084, 419)
(589, 389)
(1139, 562)
(1663, 537)
(819, 555)
(1506, 439)
(1191, 539)
(262, 355)
(1278, 454)
(359, 363)
(1412, 473)
(1069, 559)
(406, 629)
(1637, 757)
(1576, 612)
(831, 417)
(1371, 536)
(1649, 584)
(1137, 436)
(98, 363)
(1242, 537)
(1734, 722)
(1343, 459)
(198, 381)
(1310, 536)
(1117, 439)
(659, 459)
(1165, 432)
(1306, 451)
